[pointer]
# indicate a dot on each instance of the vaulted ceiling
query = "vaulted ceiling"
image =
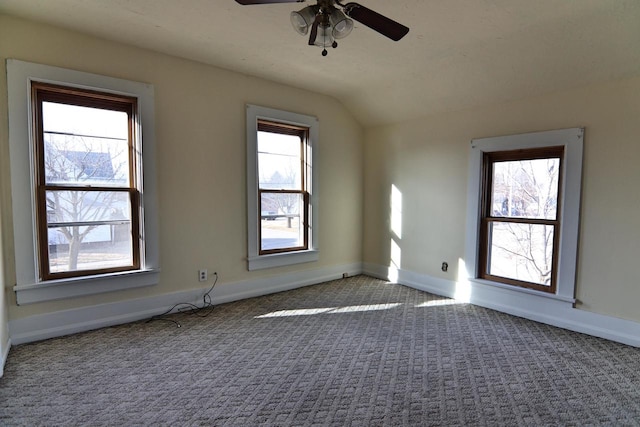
(458, 53)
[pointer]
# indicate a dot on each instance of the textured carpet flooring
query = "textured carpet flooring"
(352, 352)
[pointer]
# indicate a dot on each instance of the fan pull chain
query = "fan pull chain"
(324, 43)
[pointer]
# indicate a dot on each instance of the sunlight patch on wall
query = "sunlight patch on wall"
(463, 286)
(395, 221)
(394, 266)
(396, 211)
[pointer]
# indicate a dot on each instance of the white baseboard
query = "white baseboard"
(522, 304)
(50, 325)
(544, 310)
(4, 353)
(249, 289)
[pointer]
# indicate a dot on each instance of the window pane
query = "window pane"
(279, 164)
(521, 251)
(100, 122)
(90, 248)
(281, 221)
(85, 145)
(77, 236)
(525, 188)
(87, 206)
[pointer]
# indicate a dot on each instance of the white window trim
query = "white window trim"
(254, 260)
(28, 288)
(572, 141)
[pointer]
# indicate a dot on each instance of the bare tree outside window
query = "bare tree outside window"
(281, 203)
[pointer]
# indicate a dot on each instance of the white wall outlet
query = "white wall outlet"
(203, 275)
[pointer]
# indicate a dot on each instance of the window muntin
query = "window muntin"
(283, 197)
(519, 234)
(87, 200)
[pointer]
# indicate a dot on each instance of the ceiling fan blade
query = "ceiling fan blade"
(314, 30)
(249, 2)
(380, 23)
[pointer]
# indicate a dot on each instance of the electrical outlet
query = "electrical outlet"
(445, 266)
(203, 275)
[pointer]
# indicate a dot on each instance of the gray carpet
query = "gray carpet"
(351, 352)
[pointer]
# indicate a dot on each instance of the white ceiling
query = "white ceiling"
(458, 54)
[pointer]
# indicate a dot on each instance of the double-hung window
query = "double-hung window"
(86, 187)
(282, 182)
(84, 194)
(523, 215)
(520, 220)
(282, 195)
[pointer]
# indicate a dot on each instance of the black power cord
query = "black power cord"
(183, 307)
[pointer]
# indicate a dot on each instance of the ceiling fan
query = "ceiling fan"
(325, 23)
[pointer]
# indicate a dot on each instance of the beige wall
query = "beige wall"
(201, 161)
(427, 160)
(200, 129)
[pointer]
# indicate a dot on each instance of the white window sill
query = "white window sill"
(90, 285)
(282, 259)
(528, 291)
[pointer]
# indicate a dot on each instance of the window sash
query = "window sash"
(45, 225)
(304, 221)
(291, 130)
(486, 254)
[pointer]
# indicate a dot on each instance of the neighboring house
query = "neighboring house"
(89, 168)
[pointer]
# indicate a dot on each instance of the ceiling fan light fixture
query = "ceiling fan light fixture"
(326, 23)
(303, 19)
(325, 36)
(341, 25)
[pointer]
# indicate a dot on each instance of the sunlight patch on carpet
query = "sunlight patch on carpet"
(438, 302)
(329, 310)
